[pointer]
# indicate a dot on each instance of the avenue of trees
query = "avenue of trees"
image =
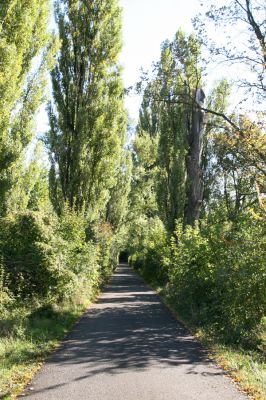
(60, 220)
(185, 199)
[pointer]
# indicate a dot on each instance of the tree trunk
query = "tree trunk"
(194, 193)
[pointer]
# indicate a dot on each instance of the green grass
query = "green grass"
(27, 336)
(247, 368)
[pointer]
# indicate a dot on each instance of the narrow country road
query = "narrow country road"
(129, 347)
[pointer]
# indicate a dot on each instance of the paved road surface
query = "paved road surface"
(129, 347)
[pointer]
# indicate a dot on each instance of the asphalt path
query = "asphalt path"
(129, 347)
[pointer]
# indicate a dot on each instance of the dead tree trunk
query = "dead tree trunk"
(194, 194)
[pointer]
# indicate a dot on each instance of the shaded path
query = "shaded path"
(128, 347)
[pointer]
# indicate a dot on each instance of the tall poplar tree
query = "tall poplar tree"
(23, 39)
(87, 116)
(168, 113)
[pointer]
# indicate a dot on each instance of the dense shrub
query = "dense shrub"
(6, 300)
(216, 275)
(239, 256)
(151, 251)
(51, 258)
(107, 254)
(79, 258)
(29, 258)
(191, 273)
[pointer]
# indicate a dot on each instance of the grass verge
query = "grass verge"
(27, 336)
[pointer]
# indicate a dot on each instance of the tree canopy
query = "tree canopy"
(87, 115)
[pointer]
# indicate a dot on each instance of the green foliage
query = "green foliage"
(28, 255)
(215, 276)
(31, 190)
(234, 175)
(238, 252)
(6, 299)
(166, 116)
(191, 272)
(142, 200)
(117, 206)
(149, 250)
(87, 117)
(48, 258)
(26, 53)
(79, 270)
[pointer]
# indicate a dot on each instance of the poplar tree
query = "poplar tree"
(87, 116)
(25, 55)
(168, 114)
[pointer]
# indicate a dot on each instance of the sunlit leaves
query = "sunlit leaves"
(87, 117)
(26, 53)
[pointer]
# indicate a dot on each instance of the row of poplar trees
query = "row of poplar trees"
(86, 114)
(186, 168)
(78, 197)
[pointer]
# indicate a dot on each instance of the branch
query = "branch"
(237, 128)
(222, 115)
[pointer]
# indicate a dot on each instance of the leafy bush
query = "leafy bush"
(51, 258)
(107, 249)
(6, 299)
(152, 252)
(239, 253)
(29, 258)
(191, 278)
(215, 276)
(218, 276)
(79, 266)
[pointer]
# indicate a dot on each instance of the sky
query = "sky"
(146, 24)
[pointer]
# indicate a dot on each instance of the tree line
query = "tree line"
(60, 221)
(186, 198)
